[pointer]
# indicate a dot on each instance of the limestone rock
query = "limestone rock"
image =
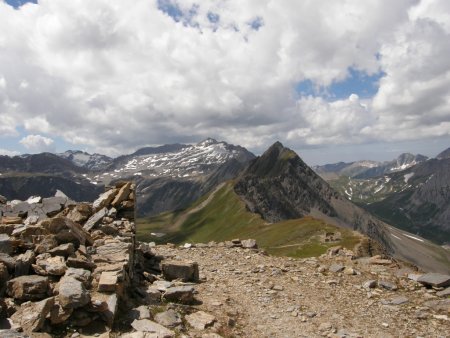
(200, 320)
(336, 268)
(169, 318)
(48, 265)
(249, 244)
(108, 281)
(434, 279)
(146, 325)
(6, 244)
(141, 312)
(72, 293)
(185, 271)
(31, 315)
(81, 275)
(31, 287)
(95, 219)
(122, 194)
(180, 294)
(152, 296)
(23, 263)
(104, 200)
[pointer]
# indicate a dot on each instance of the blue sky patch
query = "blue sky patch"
(18, 3)
(357, 82)
(172, 9)
(213, 17)
(256, 23)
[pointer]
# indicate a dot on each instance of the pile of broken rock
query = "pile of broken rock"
(72, 269)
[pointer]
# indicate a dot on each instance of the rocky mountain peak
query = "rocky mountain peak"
(443, 155)
(208, 141)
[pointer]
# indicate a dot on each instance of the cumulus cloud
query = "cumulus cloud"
(8, 152)
(37, 143)
(111, 76)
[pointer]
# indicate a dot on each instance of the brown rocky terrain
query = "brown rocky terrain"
(75, 270)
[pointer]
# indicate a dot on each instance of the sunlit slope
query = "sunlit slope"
(225, 217)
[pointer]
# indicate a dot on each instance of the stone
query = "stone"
(443, 293)
(46, 243)
(31, 315)
(387, 285)
(179, 294)
(81, 275)
(122, 194)
(200, 320)
(65, 229)
(95, 219)
(31, 287)
(9, 261)
(112, 304)
(336, 268)
(114, 252)
(52, 205)
(48, 265)
(349, 271)
(80, 213)
(399, 300)
(32, 220)
(58, 314)
(108, 281)
(434, 279)
(370, 284)
(80, 262)
(185, 271)
(169, 318)
(4, 274)
(104, 200)
(152, 296)
(23, 263)
(146, 325)
(249, 244)
(34, 199)
(72, 293)
(439, 305)
(65, 250)
(141, 312)
(6, 245)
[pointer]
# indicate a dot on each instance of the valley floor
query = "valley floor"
(255, 295)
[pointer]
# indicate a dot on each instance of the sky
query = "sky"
(333, 80)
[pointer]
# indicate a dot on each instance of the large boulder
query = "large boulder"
(31, 287)
(31, 315)
(72, 293)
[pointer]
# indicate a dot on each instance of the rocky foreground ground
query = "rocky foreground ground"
(75, 270)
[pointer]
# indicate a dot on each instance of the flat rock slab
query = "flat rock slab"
(434, 279)
(108, 281)
(169, 318)
(146, 325)
(336, 268)
(180, 294)
(5, 244)
(185, 271)
(104, 200)
(31, 316)
(31, 287)
(95, 219)
(443, 293)
(200, 320)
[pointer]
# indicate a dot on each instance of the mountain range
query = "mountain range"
(178, 184)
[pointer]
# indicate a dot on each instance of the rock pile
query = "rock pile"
(65, 264)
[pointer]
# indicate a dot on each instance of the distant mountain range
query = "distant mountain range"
(368, 169)
(415, 198)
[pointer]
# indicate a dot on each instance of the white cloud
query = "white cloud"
(8, 152)
(113, 76)
(37, 143)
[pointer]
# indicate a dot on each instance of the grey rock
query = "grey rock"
(6, 244)
(108, 281)
(200, 320)
(72, 293)
(52, 205)
(180, 294)
(31, 315)
(12, 334)
(32, 220)
(399, 300)
(81, 275)
(387, 285)
(185, 271)
(443, 293)
(434, 279)
(9, 261)
(4, 276)
(141, 312)
(146, 325)
(249, 244)
(31, 287)
(58, 314)
(336, 268)
(95, 219)
(152, 296)
(104, 200)
(439, 305)
(169, 318)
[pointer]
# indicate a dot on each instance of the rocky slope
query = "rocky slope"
(279, 185)
(85, 160)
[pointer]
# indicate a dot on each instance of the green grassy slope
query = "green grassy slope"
(225, 217)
